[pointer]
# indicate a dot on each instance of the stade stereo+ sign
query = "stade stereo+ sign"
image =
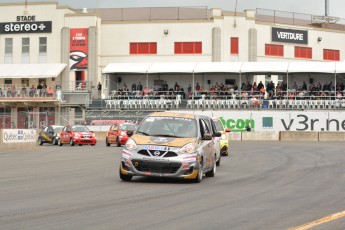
(289, 36)
(18, 135)
(26, 24)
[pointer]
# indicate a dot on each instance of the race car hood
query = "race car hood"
(163, 141)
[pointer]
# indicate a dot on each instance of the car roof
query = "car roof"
(172, 114)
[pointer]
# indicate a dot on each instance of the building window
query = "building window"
(274, 50)
(234, 45)
(25, 50)
(331, 55)
(8, 50)
(303, 52)
(188, 47)
(42, 50)
(143, 48)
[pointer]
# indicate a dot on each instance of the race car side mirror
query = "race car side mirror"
(207, 136)
(218, 134)
(227, 130)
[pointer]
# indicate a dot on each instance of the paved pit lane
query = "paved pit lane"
(262, 185)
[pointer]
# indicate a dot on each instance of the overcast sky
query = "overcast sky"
(316, 7)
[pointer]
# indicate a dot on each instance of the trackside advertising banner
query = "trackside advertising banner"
(280, 120)
(18, 135)
(78, 57)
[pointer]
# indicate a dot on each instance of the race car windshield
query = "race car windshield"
(127, 127)
(57, 129)
(169, 127)
(81, 129)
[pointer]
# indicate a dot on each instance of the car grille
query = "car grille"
(86, 141)
(85, 136)
(156, 167)
(157, 153)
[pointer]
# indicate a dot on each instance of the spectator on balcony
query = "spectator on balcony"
(197, 87)
(243, 86)
(32, 91)
(99, 89)
(39, 86)
(249, 86)
(139, 87)
(134, 87)
(260, 86)
(295, 86)
(50, 91)
(304, 86)
(255, 87)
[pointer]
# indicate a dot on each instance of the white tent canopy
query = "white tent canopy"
(265, 67)
(127, 68)
(218, 67)
(312, 67)
(226, 67)
(172, 67)
(31, 70)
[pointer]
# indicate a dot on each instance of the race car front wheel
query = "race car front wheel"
(40, 142)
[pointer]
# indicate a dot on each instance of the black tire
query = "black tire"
(40, 141)
(71, 142)
(107, 142)
(118, 144)
(212, 173)
(59, 143)
(219, 160)
(55, 141)
(200, 174)
(80, 145)
(92, 144)
(125, 177)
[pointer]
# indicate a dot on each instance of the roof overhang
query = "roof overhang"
(31, 70)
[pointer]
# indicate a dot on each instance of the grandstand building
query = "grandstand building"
(52, 57)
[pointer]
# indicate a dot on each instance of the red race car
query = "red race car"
(77, 134)
(118, 133)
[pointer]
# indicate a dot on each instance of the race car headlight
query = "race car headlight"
(189, 148)
(131, 145)
(93, 135)
(77, 135)
(223, 137)
(123, 134)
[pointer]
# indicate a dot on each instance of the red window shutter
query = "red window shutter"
(153, 48)
(188, 47)
(178, 47)
(234, 45)
(198, 47)
(309, 53)
(133, 48)
(267, 49)
(143, 48)
(336, 55)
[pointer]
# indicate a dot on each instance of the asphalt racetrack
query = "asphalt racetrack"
(262, 185)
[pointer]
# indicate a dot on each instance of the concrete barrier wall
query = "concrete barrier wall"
(331, 136)
(299, 136)
(235, 136)
(260, 136)
(100, 135)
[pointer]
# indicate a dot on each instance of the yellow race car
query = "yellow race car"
(225, 138)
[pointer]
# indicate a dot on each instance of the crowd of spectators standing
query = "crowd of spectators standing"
(41, 90)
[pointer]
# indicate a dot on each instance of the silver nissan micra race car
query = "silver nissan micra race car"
(171, 145)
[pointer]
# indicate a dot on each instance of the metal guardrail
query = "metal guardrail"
(299, 19)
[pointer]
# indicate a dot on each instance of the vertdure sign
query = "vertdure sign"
(25, 27)
(289, 36)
